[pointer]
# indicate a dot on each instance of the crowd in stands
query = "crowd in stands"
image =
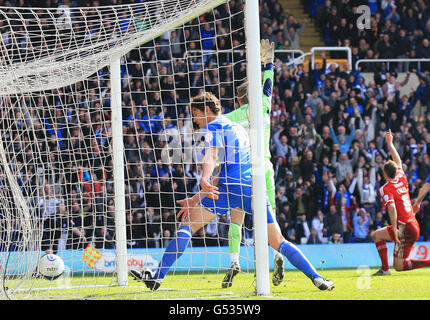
(333, 121)
(327, 126)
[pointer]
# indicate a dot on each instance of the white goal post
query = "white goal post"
(256, 125)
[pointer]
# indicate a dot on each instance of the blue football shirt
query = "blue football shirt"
(232, 142)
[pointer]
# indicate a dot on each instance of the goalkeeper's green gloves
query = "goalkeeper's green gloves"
(267, 51)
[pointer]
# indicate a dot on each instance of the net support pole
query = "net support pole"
(118, 173)
(252, 31)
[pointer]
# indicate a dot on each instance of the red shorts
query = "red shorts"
(409, 234)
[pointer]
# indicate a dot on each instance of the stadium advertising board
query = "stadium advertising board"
(322, 256)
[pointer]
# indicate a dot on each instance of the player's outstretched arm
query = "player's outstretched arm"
(267, 52)
(392, 213)
(394, 154)
(423, 191)
(215, 178)
(209, 164)
(267, 56)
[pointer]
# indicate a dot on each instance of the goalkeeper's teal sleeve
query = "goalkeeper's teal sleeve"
(268, 89)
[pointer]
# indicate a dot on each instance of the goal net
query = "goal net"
(57, 157)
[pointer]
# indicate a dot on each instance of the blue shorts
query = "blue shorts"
(233, 196)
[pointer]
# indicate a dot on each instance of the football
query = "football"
(51, 266)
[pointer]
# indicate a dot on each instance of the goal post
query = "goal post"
(94, 108)
(256, 125)
(118, 173)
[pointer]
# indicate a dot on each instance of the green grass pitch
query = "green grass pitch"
(350, 284)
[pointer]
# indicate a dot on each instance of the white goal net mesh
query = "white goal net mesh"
(56, 174)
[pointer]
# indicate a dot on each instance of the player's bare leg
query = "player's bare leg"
(274, 235)
(236, 217)
(408, 235)
(398, 264)
(198, 218)
(401, 264)
(296, 257)
(380, 237)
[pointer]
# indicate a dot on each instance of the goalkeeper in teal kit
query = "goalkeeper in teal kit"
(241, 116)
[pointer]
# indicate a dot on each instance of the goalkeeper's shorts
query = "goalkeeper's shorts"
(233, 196)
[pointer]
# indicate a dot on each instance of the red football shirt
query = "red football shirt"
(397, 191)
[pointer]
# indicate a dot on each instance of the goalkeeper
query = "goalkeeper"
(241, 116)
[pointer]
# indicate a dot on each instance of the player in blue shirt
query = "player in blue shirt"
(226, 143)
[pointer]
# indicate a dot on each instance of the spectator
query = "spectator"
(313, 101)
(420, 100)
(293, 32)
(380, 221)
(346, 212)
(344, 166)
(300, 204)
(335, 238)
(152, 226)
(405, 108)
(313, 237)
(362, 220)
(403, 47)
(344, 141)
(366, 185)
(390, 88)
(423, 51)
(283, 149)
(334, 221)
(318, 224)
(302, 231)
(284, 219)
(322, 188)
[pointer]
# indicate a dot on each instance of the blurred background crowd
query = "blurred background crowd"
(327, 125)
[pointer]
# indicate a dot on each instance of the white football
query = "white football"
(51, 266)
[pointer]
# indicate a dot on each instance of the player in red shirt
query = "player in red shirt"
(404, 229)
